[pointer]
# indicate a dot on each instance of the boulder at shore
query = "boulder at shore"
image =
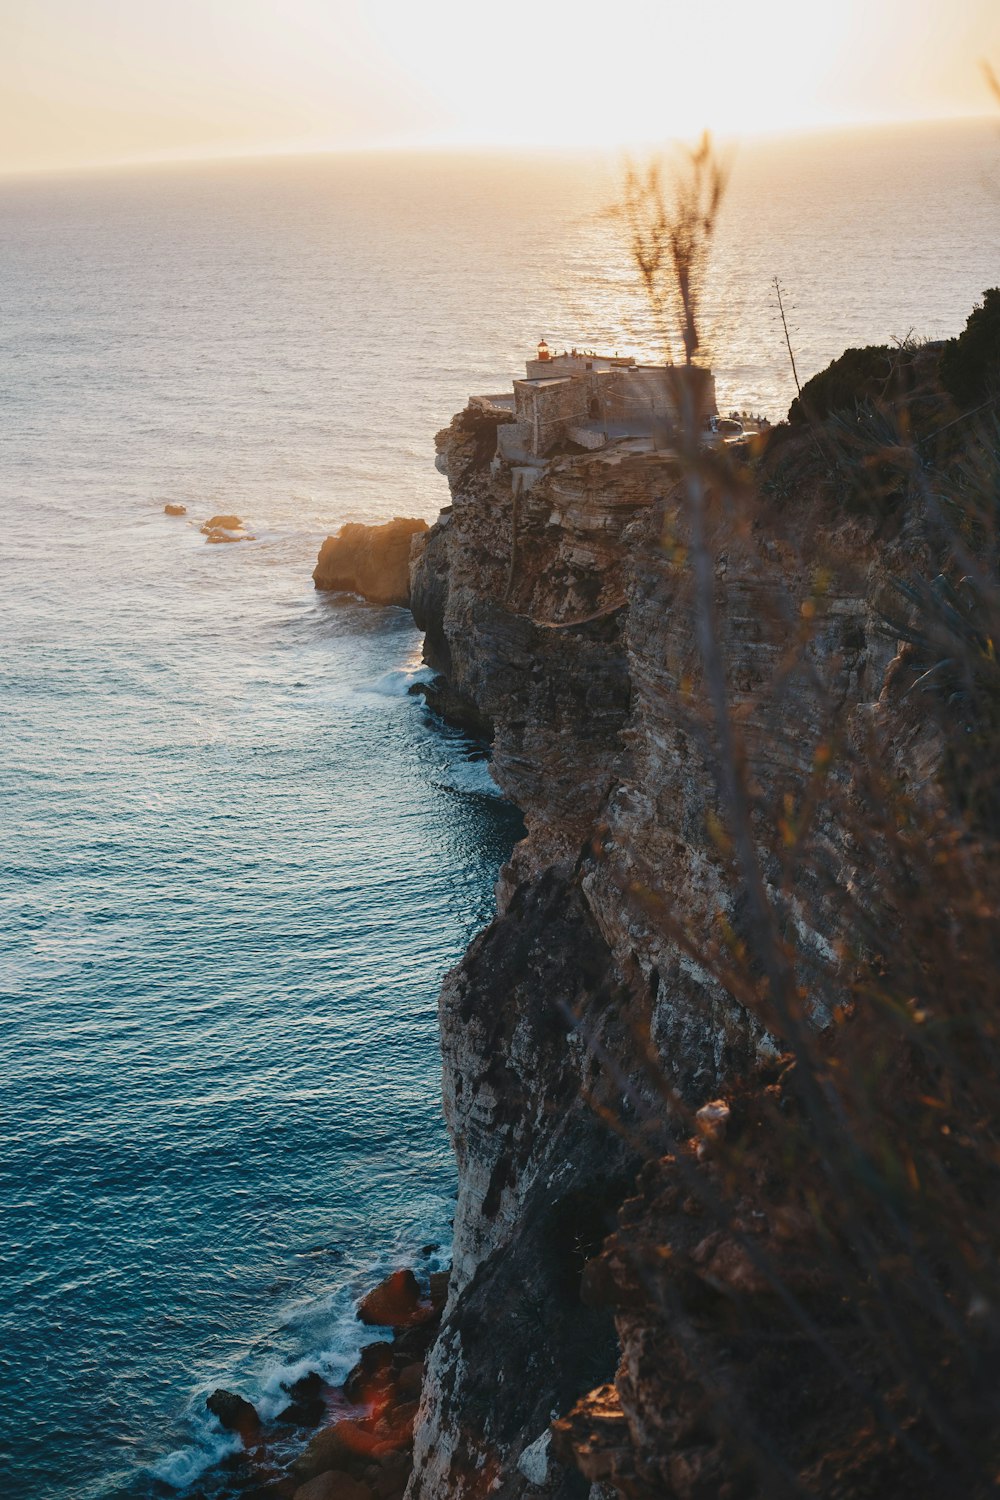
(235, 1414)
(373, 561)
(395, 1303)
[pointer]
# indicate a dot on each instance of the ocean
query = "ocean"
(237, 854)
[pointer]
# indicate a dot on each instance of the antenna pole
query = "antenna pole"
(784, 324)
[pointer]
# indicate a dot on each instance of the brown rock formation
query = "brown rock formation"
(222, 523)
(373, 561)
(226, 528)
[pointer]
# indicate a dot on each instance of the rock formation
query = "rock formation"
(561, 616)
(226, 528)
(235, 1414)
(352, 1441)
(373, 561)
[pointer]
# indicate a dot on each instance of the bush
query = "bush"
(872, 376)
(970, 365)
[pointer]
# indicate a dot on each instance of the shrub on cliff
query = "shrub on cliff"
(970, 364)
(874, 375)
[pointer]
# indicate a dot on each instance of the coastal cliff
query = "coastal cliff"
(561, 616)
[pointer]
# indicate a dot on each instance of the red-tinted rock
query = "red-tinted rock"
(395, 1303)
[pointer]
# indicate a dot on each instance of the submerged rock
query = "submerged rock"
(172, 509)
(225, 529)
(373, 561)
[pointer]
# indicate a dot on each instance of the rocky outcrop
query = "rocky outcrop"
(364, 1453)
(225, 528)
(347, 1442)
(563, 615)
(373, 561)
(235, 1414)
(395, 1303)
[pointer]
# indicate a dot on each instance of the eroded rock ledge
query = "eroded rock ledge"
(561, 616)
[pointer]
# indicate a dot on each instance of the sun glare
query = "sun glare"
(224, 76)
(668, 70)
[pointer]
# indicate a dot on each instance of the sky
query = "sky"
(92, 82)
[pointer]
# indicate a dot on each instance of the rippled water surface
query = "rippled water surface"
(236, 857)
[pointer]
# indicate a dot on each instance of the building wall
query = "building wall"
(570, 364)
(619, 395)
(549, 409)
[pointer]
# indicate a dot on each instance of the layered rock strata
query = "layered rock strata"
(563, 617)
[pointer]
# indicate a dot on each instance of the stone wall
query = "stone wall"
(627, 398)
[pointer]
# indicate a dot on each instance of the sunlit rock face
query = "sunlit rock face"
(373, 561)
(561, 610)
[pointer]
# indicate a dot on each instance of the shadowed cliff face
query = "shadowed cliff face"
(563, 616)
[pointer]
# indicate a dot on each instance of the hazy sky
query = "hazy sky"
(89, 81)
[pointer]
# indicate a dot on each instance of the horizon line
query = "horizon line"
(444, 147)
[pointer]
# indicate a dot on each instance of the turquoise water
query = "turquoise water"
(236, 856)
(242, 862)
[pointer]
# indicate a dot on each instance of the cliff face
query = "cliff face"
(563, 617)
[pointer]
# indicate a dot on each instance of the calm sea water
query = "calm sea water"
(236, 856)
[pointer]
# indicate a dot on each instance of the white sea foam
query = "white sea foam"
(471, 777)
(339, 1339)
(397, 683)
(181, 1468)
(332, 1361)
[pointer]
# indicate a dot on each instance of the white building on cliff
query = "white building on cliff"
(587, 400)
